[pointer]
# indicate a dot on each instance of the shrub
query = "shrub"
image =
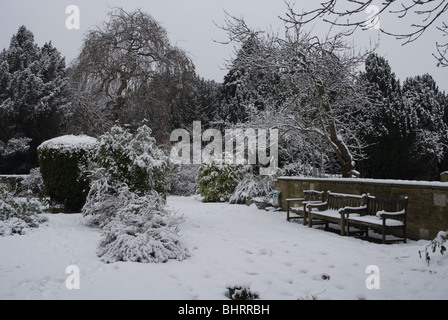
(241, 293)
(184, 183)
(133, 160)
(251, 186)
(130, 177)
(139, 229)
(217, 182)
(61, 161)
(17, 215)
(33, 183)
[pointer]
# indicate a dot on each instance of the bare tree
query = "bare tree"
(127, 66)
(351, 14)
(318, 80)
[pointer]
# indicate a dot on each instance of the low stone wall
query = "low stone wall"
(428, 201)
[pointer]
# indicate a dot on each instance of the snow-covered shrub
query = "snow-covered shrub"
(17, 215)
(14, 146)
(140, 229)
(131, 159)
(437, 244)
(184, 183)
(217, 182)
(241, 293)
(61, 160)
(130, 177)
(252, 186)
(33, 183)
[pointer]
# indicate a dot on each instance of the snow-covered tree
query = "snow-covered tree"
(33, 100)
(426, 106)
(406, 133)
(387, 131)
(128, 71)
(204, 104)
(319, 88)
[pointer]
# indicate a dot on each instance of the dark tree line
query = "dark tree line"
(407, 136)
(129, 72)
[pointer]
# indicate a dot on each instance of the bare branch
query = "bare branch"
(426, 13)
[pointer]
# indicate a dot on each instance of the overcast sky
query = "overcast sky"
(191, 26)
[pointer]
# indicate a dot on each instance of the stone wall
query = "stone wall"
(428, 201)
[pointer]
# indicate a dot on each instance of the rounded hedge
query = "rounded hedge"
(60, 161)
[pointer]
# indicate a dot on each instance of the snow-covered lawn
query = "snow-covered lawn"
(229, 245)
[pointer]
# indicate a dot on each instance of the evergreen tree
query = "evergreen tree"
(235, 98)
(249, 87)
(33, 94)
(204, 103)
(407, 135)
(387, 135)
(426, 106)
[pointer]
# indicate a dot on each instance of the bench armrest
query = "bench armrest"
(357, 210)
(391, 215)
(317, 205)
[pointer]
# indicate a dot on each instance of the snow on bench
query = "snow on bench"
(335, 209)
(385, 215)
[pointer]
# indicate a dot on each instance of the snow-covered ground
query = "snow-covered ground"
(229, 245)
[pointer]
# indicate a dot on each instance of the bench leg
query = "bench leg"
(342, 227)
(404, 234)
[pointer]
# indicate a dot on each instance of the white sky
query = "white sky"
(191, 26)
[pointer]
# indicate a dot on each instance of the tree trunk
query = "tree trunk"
(335, 138)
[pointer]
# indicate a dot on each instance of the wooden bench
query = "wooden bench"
(335, 208)
(309, 196)
(385, 215)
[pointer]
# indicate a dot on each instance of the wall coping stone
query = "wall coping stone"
(416, 183)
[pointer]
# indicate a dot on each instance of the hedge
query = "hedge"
(60, 161)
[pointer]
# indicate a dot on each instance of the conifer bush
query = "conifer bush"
(130, 178)
(139, 228)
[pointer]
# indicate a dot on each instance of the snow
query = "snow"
(377, 220)
(229, 245)
(69, 142)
